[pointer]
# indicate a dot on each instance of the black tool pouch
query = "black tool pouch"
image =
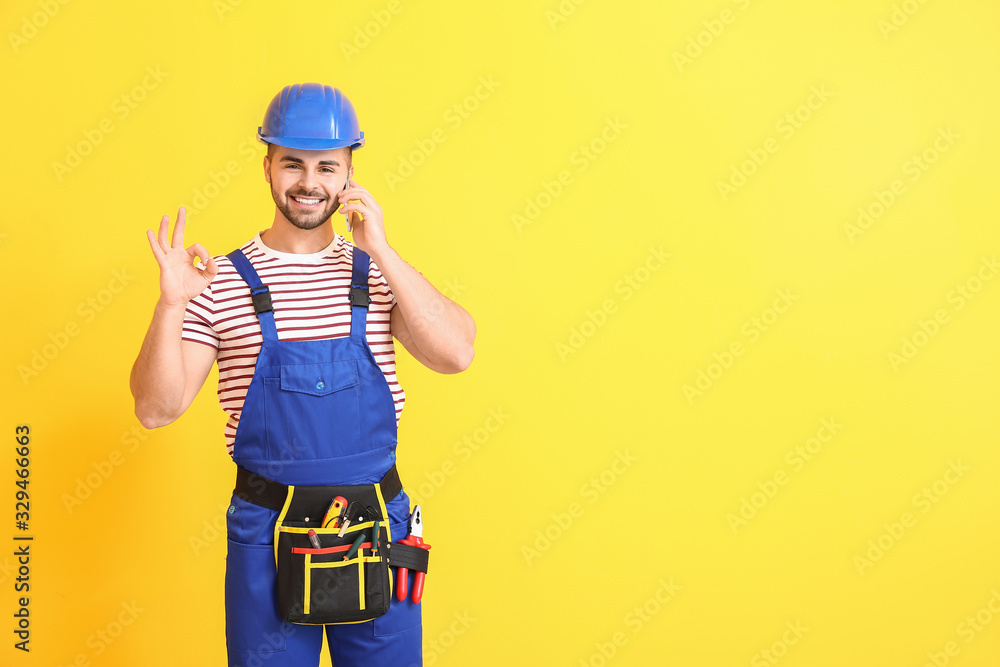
(316, 585)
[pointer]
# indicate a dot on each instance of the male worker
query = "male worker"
(307, 376)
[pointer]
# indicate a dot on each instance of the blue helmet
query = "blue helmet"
(311, 116)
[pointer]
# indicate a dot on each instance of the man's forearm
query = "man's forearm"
(441, 329)
(157, 380)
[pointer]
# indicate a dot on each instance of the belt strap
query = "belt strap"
(412, 558)
(265, 492)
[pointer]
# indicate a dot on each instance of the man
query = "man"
(301, 325)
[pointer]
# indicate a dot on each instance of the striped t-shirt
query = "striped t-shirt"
(309, 294)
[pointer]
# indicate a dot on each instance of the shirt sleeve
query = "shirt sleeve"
(379, 290)
(199, 320)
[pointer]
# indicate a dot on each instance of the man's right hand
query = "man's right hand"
(169, 371)
(180, 279)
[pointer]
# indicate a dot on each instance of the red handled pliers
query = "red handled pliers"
(414, 539)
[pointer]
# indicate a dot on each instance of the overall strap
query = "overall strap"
(258, 293)
(359, 294)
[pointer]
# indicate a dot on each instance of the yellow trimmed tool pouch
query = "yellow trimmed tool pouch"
(319, 583)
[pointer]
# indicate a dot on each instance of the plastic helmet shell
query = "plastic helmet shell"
(311, 116)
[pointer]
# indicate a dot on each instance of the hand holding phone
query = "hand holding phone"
(347, 216)
(363, 209)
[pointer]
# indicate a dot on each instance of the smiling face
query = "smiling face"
(304, 184)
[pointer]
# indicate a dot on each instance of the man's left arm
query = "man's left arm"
(438, 332)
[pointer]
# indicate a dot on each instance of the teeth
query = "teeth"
(303, 200)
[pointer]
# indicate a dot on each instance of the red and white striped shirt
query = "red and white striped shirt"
(309, 295)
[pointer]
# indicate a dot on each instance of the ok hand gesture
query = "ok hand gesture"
(180, 279)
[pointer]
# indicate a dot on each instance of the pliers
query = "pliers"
(414, 539)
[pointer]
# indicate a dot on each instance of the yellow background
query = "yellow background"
(570, 375)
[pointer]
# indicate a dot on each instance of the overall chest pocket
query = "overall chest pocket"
(312, 411)
(319, 379)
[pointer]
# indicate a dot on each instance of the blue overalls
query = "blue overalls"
(316, 413)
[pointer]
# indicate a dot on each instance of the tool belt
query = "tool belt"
(317, 583)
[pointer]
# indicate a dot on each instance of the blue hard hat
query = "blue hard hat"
(311, 116)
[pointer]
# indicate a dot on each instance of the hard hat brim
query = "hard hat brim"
(310, 143)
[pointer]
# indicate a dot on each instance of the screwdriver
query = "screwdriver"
(354, 547)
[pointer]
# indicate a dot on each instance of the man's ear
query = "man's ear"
(267, 169)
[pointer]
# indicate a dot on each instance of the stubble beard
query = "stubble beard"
(306, 221)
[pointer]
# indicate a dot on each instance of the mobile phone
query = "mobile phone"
(347, 184)
(347, 216)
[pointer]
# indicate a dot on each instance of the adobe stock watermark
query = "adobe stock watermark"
(779, 648)
(591, 491)
(436, 646)
(7, 569)
(967, 630)
(635, 620)
(121, 108)
(712, 29)
(250, 149)
(210, 530)
(923, 500)
(31, 24)
(752, 330)
(363, 35)
(900, 15)
(464, 450)
(454, 117)
(624, 288)
(224, 7)
(101, 470)
(914, 168)
(101, 639)
(957, 298)
(87, 311)
(581, 158)
(796, 458)
(273, 643)
(451, 289)
(785, 127)
(562, 12)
